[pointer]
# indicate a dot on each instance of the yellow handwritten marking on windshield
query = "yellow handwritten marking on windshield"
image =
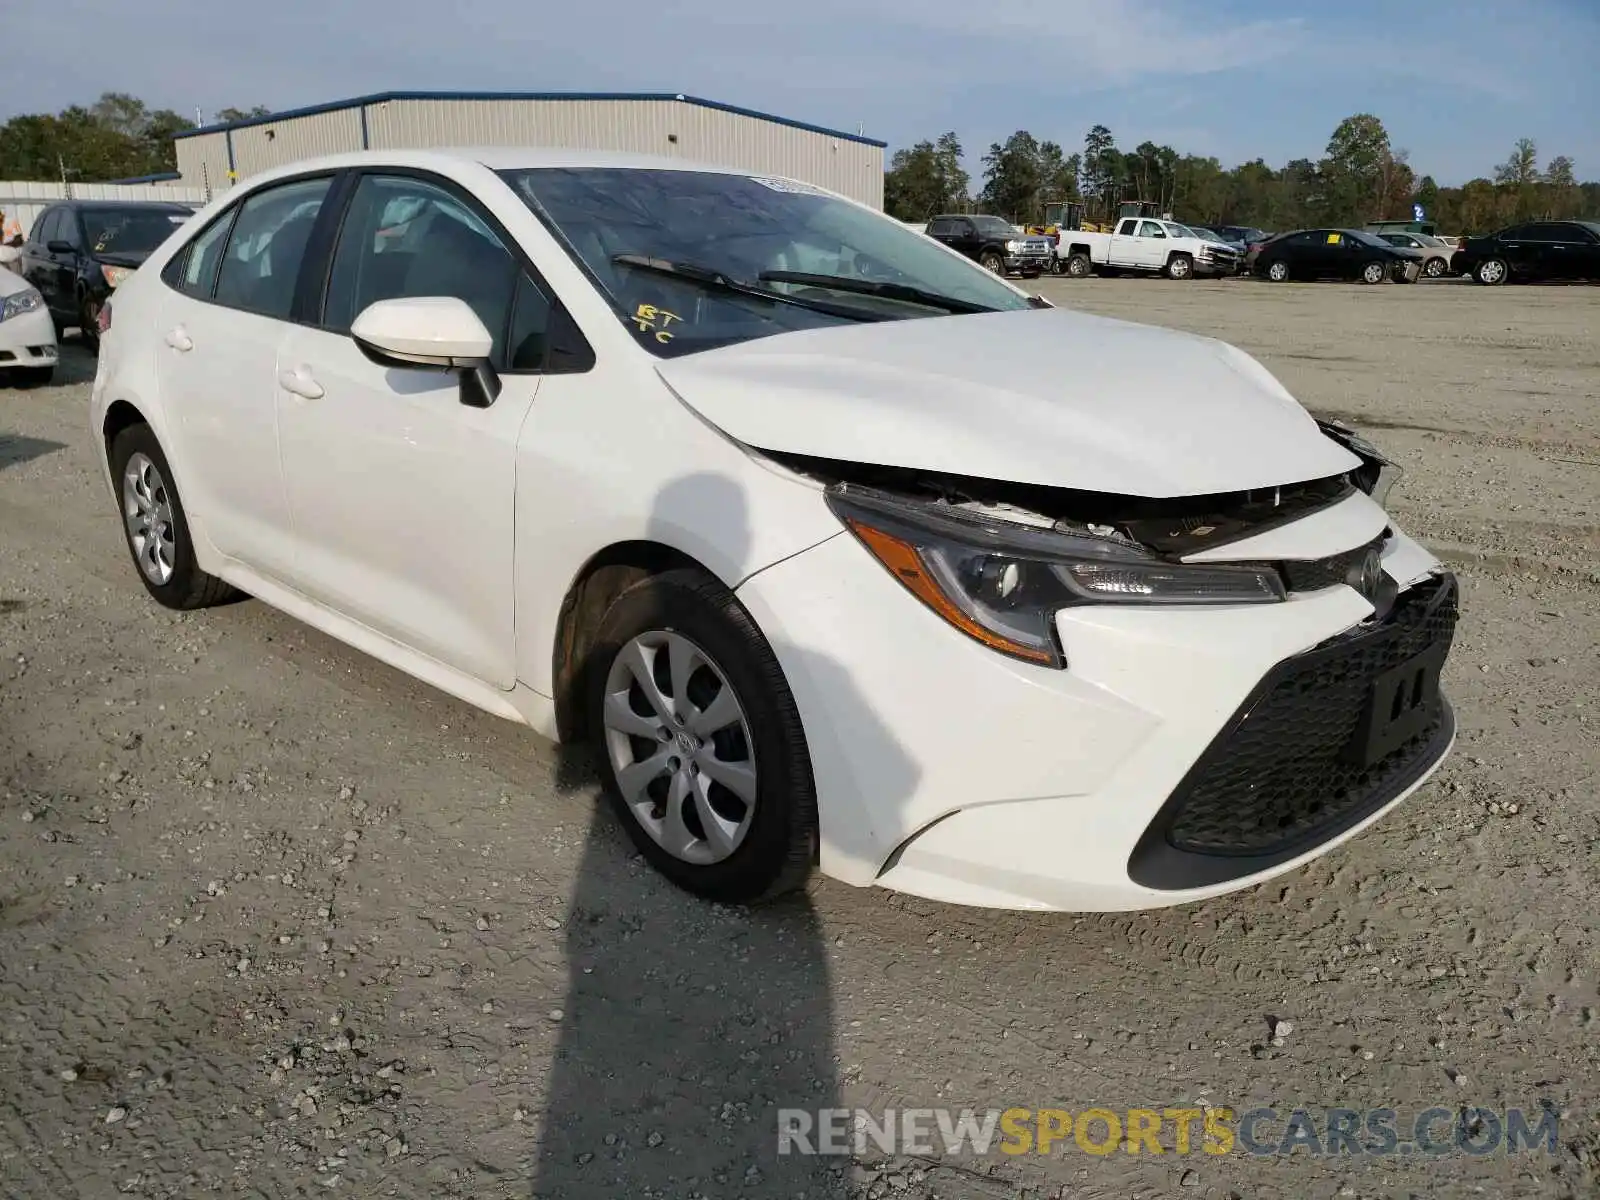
(646, 316)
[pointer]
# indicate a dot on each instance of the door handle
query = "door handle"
(179, 339)
(300, 382)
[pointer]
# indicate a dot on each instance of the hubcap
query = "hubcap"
(1278, 271)
(1491, 272)
(1435, 268)
(147, 512)
(1374, 273)
(993, 266)
(680, 747)
(1180, 268)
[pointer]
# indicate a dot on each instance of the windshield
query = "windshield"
(129, 230)
(994, 227)
(696, 226)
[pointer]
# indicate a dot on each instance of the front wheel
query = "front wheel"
(1491, 271)
(1373, 272)
(993, 263)
(1180, 266)
(89, 323)
(155, 527)
(699, 742)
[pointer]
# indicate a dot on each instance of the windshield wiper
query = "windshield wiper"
(713, 278)
(871, 287)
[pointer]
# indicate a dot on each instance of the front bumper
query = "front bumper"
(1029, 263)
(948, 771)
(28, 341)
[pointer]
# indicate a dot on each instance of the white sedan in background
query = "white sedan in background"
(775, 503)
(1437, 253)
(28, 349)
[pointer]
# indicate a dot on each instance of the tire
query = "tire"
(175, 580)
(89, 323)
(1491, 272)
(1079, 266)
(993, 263)
(1434, 268)
(1373, 272)
(1180, 266)
(773, 847)
(1278, 271)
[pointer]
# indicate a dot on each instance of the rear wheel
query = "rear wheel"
(1434, 268)
(699, 741)
(1079, 266)
(155, 527)
(1491, 271)
(993, 263)
(1278, 271)
(1373, 272)
(1180, 266)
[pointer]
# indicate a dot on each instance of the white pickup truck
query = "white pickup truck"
(1144, 244)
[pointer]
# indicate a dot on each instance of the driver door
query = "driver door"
(1152, 246)
(402, 496)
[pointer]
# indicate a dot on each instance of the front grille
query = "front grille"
(1281, 776)
(1310, 576)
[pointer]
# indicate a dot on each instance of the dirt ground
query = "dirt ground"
(276, 920)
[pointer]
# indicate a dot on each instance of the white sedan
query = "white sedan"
(28, 347)
(775, 504)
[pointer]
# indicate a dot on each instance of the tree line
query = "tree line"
(116, 137)
(1361, 177)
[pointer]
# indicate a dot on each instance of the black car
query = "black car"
(1336, 254)
(79, 250)
(1533, 250)
(994, 243)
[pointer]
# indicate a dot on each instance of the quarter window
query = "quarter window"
(268, 246)
(404, 237)
(197, 265)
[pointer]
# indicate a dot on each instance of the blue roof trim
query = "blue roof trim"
(383, 97)
(163, 177)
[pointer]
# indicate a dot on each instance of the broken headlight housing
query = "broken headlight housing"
(1376, 476)
(1002, 582)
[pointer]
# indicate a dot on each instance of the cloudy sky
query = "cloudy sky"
(1455, 81)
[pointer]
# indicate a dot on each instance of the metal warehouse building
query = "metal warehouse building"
(669, 125)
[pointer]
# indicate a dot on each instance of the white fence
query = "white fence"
(25, 199)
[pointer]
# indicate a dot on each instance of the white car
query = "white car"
(775, 503)
(1145, 244)
(28, 348)
(1437, 253)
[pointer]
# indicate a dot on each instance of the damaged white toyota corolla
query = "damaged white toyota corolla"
(841, 552)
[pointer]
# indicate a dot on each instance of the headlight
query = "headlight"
(1013, 246)
(1001, 582)
(26, 301)
(114, 275)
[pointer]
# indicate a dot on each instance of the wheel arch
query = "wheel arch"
(120, 415)
(604, 577)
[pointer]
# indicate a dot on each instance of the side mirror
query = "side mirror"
(57, 246)
(431, 331)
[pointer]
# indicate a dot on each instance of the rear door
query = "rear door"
(234, 290)
(403, 497)
(1124, 248)
(38, 267)
(1522, 250)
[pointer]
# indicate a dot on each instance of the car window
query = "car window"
(1516, 233)
(613, 221)
(1542, 233)
(267, 247)
(131, 229)
(67, 228)
(1128, 228)
(1149, 229)
(197, 265)
(406, 237)
(44, 227)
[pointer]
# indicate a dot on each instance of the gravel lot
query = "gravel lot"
(276, 920)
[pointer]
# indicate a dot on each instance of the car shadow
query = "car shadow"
(687, 1026)
(16, 449)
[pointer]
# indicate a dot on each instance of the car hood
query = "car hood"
(1041, 396)
(11, 283)
(122, 258)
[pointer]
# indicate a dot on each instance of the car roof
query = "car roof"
(500, 158)
(165, 205)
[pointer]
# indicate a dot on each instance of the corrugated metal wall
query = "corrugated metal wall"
(26, 199)
(639, 126)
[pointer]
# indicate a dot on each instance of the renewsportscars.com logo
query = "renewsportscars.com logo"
(1382, 1132)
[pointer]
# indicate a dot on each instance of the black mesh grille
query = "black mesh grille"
(1282, 776)
(1324, 572)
